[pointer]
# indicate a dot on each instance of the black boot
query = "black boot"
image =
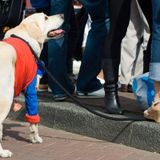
(110, 69)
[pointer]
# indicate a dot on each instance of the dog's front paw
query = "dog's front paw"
(5, 153)
(36, 139)
(34, 135)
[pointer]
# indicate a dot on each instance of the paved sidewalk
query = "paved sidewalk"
(61, 145)
(70, 117)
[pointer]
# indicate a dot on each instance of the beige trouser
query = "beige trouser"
(132, 46)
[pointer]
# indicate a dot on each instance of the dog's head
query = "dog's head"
(53, 31)
(39, 27)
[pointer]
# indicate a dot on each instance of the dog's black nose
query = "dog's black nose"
(62, 16)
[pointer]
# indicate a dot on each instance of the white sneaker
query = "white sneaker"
(49, 90)
(96, 94)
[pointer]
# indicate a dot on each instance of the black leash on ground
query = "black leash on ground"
(98, 113)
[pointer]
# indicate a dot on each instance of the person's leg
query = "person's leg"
(154, 73)
(131, 50)
(72, 40)
(140, 65)
(155, 47)
(146, 7)
(58, 50)
(44, 55)
(91, 59)
(119, 19)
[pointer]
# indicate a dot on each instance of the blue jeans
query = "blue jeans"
(57, 50)
(92, 56)
(91, 61)
(154, 69)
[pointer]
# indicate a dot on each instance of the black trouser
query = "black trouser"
(119, 19)
(72, 40)
(119, 11)
(146, 6)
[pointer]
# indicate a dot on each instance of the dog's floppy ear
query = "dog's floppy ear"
(35, 32)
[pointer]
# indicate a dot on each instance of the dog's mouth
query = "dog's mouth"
(56, 33)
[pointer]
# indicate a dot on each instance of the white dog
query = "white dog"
(35, 30)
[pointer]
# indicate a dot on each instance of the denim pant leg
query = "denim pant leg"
(91, 60)
(155, 46)
(57, 50)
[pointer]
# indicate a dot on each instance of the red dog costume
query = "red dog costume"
(25, 72)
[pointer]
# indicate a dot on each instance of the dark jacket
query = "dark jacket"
(40, 3)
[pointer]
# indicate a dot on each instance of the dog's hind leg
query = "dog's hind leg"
(5, 105)
(3, 152)
(7, 63)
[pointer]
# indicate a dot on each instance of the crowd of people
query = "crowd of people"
(123, 41)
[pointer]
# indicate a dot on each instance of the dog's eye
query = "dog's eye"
(46, 17)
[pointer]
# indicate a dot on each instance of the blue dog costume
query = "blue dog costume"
(31, 100)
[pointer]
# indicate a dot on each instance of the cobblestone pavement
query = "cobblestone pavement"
(61, 145)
